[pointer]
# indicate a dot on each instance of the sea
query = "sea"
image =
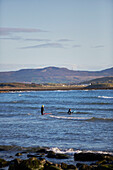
(88, 129)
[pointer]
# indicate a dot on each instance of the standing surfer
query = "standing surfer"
(42, 110)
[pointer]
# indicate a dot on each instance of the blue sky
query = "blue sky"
(77, 34)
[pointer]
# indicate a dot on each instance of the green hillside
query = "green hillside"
(103, 80)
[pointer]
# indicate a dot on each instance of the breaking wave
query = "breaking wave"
(54, 149)
(105, 97)
(82, 118)
(72, 151)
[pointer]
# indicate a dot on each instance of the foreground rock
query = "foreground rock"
(52, 154)
(36, 164)
(3, 163)
(37, 161)
(29, 164)
(92, 157)
(101, 161)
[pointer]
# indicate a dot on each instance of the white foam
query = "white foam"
(29, 114)
(90, 151)
(105, 97)
(72, 151)
(57, 150)
(73, 118)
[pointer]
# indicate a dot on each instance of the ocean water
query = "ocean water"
(89, 128)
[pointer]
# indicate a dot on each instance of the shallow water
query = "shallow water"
(89, 128)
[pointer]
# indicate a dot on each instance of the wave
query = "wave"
(15, 114)
(101, 119)
(82, 112)
(91, 151)
(82, 118)
(72, 151)
(72, 118)
(54, 149)
(64, 151)
(105, 97)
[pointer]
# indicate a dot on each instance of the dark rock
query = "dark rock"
(51, 154)
(18, 154)
(30, 164)
(85, 167)
(41, 150)
(105, 167)
(64, 165)
(101, 165)
(102, 162)
(72, 167)
(88, 157)
(3, 163)
(61, 156)
(14, 165)
(108, 157)
(17, 161)
(52, 167)
(47, 164)
(30, 156)
(81, 166)
(42, 161)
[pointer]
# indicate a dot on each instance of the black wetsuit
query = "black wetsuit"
(42, 110)
(69, 111)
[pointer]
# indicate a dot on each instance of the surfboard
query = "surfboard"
(47, 113)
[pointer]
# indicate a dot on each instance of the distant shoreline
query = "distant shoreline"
(13, 87)
(8, 90)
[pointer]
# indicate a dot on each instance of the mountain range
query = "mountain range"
(52, 75)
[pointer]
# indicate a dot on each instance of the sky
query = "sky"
(77, 34)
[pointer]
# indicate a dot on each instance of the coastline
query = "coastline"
(52, 88)
(13, 87)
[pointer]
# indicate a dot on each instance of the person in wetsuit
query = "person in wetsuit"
(69, 111)
(42, 110)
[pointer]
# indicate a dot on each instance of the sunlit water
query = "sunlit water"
(89, 128)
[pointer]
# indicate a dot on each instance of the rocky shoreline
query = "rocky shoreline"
(43, 159)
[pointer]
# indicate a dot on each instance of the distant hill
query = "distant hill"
(99, 81)
(52, 75)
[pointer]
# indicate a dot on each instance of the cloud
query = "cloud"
(8, 31)
(47, 45)
(13, 38)
(25, 39)
(76, 46)
(35, 39)
(64, 40)
(98, 46)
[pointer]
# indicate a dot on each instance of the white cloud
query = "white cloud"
(47, 45)
(8, 31)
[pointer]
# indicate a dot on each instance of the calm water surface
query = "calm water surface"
(90, 127)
